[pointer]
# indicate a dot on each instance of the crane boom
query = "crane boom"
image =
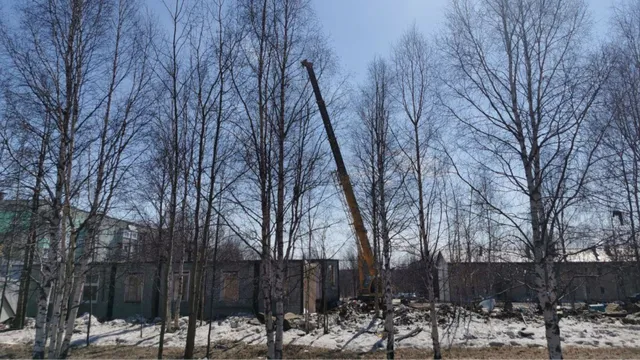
(366, 268)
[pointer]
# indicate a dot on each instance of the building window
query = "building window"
(130, 235)
(128, 242)
(90, 290)
(181, 281)
(332, 275)
(133, 288)
(230, 287)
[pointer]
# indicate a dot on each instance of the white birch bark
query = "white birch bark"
(76, 299)
(178, 301)
(546, 284)
(54, 352)
(57, 278)
(44, 290)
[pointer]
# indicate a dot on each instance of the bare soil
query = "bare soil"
(243, 351)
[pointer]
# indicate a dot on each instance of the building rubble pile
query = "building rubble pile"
(404, 314)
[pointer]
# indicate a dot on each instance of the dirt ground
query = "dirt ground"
(242, 351)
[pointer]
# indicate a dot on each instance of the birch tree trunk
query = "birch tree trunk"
(60, 286)
(546, 283)
(279, 296)
(67, 294)
(78, 285)
(79, 274)
(57, 254)
(268, 310)
(433, 314)
(43, 291)
(178, 301)
(386, 253)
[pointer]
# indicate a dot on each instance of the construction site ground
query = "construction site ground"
(354, 331)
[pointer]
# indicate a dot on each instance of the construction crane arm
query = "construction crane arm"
(366, 268)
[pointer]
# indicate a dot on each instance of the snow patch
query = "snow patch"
(465, 329)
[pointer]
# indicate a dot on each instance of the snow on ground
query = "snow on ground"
(466, 330)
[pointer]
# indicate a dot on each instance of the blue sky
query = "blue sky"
(358, 30)
(361, 29)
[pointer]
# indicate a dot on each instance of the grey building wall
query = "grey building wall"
(577, 281)
(247, 283)
(110, 302)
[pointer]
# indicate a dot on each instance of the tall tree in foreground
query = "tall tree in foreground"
(171, 127)
(281, 144)
(213, 49)
(79, 74)
(251, 87)
(525, 90)
(374, 110)
(414, 68)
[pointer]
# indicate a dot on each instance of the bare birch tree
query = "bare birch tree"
(414, 69)
(255, 100)
(171, 73)
(214, 47)
(526, 91)
(374, 109)
(281, 144)
(78, 80)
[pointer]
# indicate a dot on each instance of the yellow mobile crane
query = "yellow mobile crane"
(366, 266)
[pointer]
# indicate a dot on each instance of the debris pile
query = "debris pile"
(632, 319)
(352, 310)
(291, 321)
(405, 315)
(408, 314)
(628, 313)
(615, 309)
